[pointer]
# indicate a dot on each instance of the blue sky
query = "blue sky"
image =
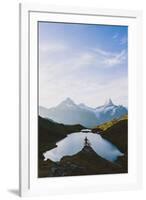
(87, 63)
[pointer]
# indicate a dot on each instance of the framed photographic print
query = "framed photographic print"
(80, 100)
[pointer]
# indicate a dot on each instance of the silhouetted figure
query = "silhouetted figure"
(87, 143)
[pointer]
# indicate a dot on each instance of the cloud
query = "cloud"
(123, 40)
(52, 47)
(91, 92)
(71, 75)
(115, 36)
(57, 55)
(103, 52)
(77, 64)
(116, 59)
(111, 59)
(57, 74)
(82, 67)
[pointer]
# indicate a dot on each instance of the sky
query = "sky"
(88, 63)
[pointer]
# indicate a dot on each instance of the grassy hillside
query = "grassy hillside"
(118, 135)
(108, 124)
(116, 131)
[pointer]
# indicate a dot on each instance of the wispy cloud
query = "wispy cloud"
(116, 59)
(111, 59)
(87, 69)
(52, 47)
(120, 39)
(103, 52)
(115, 36)
(90, 92)
(123, 40)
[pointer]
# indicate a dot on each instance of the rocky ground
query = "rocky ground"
(86, 162)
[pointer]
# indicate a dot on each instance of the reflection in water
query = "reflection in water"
(74, 142)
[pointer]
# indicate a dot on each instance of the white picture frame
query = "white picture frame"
(29, 184)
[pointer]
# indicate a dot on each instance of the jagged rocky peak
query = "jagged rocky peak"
(68, 101)
(109, 102)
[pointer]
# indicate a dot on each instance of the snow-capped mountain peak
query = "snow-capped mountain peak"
(108, 103)
(109, 111)
(68, 112)
(68, 101)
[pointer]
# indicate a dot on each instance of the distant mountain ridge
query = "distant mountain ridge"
(110, 111)
(68, 112)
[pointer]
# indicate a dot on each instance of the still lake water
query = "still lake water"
(74, 143)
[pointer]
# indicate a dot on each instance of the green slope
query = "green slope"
(108, 124)
(118, 135)
(116, 131)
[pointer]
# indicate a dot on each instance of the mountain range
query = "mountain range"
(68, 112)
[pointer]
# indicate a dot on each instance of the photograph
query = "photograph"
(82, 99)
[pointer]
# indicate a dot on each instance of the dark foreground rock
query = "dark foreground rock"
(86, 162)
